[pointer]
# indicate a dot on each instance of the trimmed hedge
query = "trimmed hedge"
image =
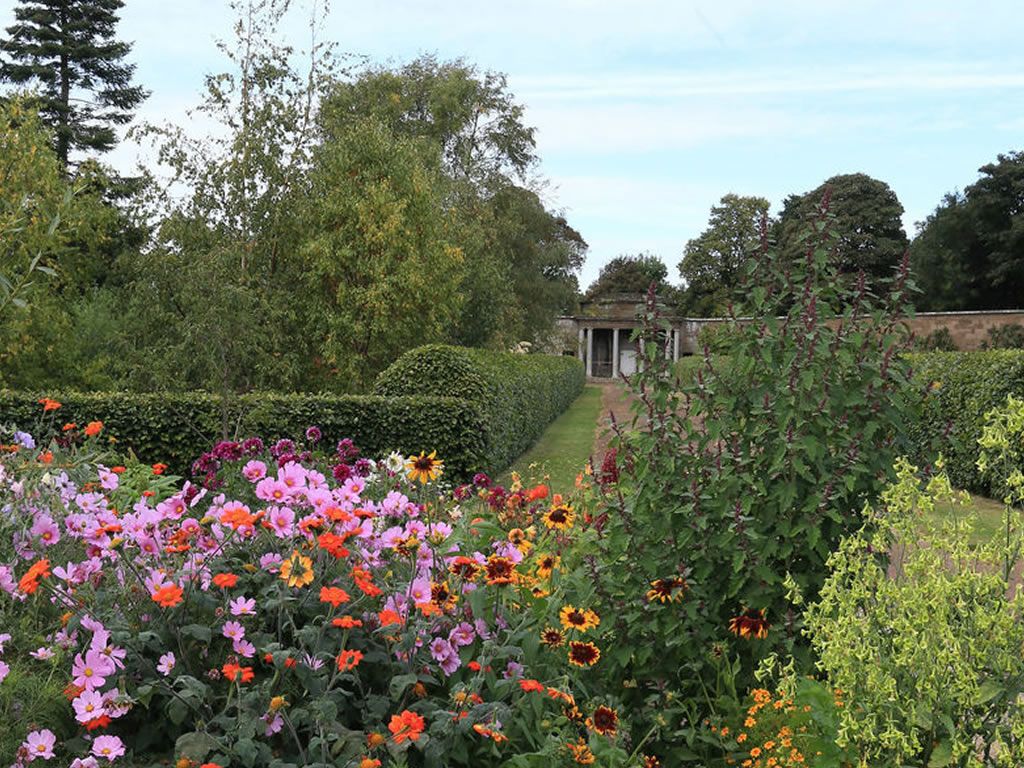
(969, 384)
(518, 395)
(176, 428)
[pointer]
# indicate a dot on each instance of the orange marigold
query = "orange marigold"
(407, 725)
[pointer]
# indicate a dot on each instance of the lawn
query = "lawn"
(563, 450)
(987, 513)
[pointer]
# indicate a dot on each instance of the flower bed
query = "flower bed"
(302, 606)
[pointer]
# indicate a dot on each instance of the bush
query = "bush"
(963, 387)
(175, 428)
(518, 395)
(685, 368)
(718, 337)
(1006, 336)
(733, 493)
(290, 618)
(939, 340)
(915, 626)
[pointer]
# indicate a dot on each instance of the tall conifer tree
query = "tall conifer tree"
(69, 50)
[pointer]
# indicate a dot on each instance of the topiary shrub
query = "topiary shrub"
(518, 395)
(962, 387)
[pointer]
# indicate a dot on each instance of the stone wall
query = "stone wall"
(968, 329)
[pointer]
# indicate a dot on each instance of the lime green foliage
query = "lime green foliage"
(177, 428)
(962, 387)
(915, 626)
(518, 395)
(564, 449)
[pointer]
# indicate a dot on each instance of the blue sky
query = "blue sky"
(647, 112)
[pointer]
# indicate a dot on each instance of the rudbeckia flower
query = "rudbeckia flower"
(424, 468)
(297, 570)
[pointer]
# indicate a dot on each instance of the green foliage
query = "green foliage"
(68, 48)
(967, 253)
(713, 262)
(742, 483)
(1005, 336)
(867, 214)
(380, 276)
(915, 626)
(718, 338)
(518, 395)
(939, 340)
(177, 428)
(632, 275)
(686, 368)
(962, 387)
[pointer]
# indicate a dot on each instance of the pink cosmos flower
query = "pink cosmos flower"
(271, 562)
(4, 671)
(42, 654)
(419, 591)
(440, 649)
(88, 706)
(451, 663)
(46, 531)
(92, 671)
(282, 520)
(292, 476)
(110, 747)
(243, 606)
(463, 634)
(244, 648)
(84, 762)
(269, 489)
(108, 480)
(167, 662)
(233, 630)
(39, 744)
(274, 723)
(254, 471)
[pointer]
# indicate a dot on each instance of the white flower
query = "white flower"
(394, 463)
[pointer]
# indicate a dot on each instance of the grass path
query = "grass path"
(562, 451)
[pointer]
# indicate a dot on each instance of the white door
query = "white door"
(627, 361)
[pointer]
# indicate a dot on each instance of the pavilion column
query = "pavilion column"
(675, 345)
(615, 353)
(590, 352)
(579, 345)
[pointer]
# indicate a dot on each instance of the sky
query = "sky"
(648, 111)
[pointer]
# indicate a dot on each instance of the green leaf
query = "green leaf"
(942, 755)
(195, 746)
(401, 683)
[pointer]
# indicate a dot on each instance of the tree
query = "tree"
(713, 262)
(472, 117)
(969, 253)
(381, 276)
(866, 213)
(631, 274)
(69, 48)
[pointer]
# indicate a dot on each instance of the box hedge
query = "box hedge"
(518, 395)
(177, 427)
(963, 387)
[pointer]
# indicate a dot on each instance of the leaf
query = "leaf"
(195, 746)
(942, 755)
(988, 691)
(198, 631)
(400, 683)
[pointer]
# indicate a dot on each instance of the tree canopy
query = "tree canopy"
(70, 50)
(713, 262)
(867, 216)
(632, 274)
(969, 253)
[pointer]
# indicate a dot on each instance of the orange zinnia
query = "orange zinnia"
(235, 672)
(333, 595)
(407, 725)
(388, 617)
(93, 428)
(225, 580)
(168, 596)
(346, 622)
(49, 404)
(159, 468)
(349, 660)
(531, 685)
(30, 581)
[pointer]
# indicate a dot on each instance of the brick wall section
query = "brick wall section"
(968, 329)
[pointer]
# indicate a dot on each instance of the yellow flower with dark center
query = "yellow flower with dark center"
(560, 517)
(499, 570)
(297, 570)
(604, 721)
(424, 468)
(751, 623)
(580, 619)
(667, 590)
(546, 564)
(583, 654)
(553, 638)
(581, 753)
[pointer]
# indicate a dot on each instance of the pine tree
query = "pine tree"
(68, 49)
